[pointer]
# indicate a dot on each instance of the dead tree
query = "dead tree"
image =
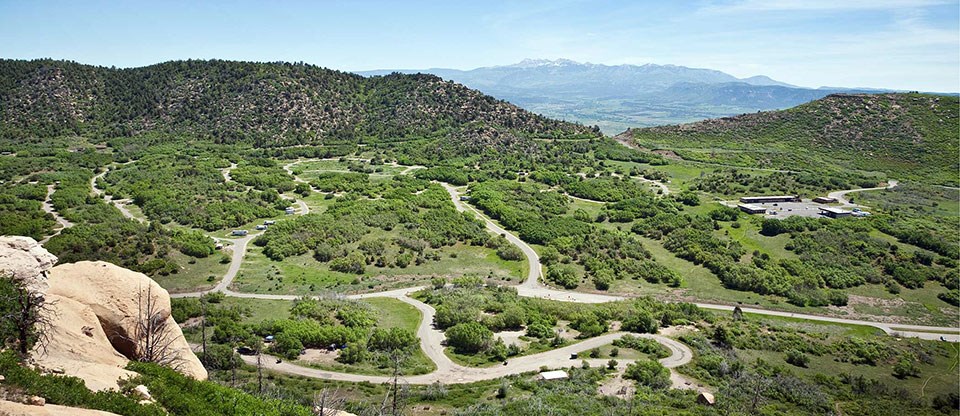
(26, 316)
(396, 395)
(327, 403)
(203, 328)
(153, 336)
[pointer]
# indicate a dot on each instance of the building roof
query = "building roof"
(770, 197)
(751, 207)
(835, 210)
(554, 375)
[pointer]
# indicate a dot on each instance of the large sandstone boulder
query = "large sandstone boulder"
(78, 346)
(118, 298)
(26, 260)
(20, 409)
(94, 309)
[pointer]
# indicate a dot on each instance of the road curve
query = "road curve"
(531, 287)
(841, 196)
(431, 342)
(119, 204)
(449, 372)
(47, 207)
(908, 331)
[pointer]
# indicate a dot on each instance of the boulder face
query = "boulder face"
(21, 409)
(26, 260)
(94, 309)
(78, 346)
(119, 298)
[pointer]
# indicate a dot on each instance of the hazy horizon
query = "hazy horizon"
(886, 44)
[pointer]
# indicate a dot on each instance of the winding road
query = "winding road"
(121, 204)
(841, 196)
(47, 207)
(447, 371)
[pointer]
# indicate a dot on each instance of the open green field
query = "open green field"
(936, 377)
(680, 173)
(195, 274)
(748, 235)
(304, 275)
(318, 202)
(259, 309)
(391, 313)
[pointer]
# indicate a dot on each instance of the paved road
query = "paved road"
(661, 185)
(531, 286)
(289, 168)
(449, 372)
(226, 172)
(48, 208)
(121, 204)
(841, 196)
(593, 201)
(908, 331)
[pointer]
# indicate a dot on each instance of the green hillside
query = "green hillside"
(266, 104)
(904, 136)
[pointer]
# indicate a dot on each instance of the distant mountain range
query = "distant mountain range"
(620, 96)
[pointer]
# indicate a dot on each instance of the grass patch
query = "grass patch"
(303, 275)
(938, 377)
(193, 277)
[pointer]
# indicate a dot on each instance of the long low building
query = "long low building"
(834, 212)
(767, 199)
(752, 209)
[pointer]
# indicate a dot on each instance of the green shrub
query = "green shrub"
(648, 373)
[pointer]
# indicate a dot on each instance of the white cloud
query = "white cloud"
(816, 5)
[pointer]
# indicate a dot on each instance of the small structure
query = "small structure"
(553, 375)
(218, 246)
(289, 210)
(706, 399)
(269, 222)
(767, 199)
(464, 198)
(240, 233)
(824, 200)
(261, 227)
(752, 209)
(834, 212)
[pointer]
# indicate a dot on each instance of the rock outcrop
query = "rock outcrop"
(21, 409)
(69, 348)
(94, 309)
(119, 302)
(25, 260)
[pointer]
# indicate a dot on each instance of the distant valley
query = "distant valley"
(621, 96)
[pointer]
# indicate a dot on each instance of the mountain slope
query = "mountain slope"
(266, 103)
(905, 136)
(621, 96)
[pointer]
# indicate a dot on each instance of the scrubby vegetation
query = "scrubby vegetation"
(475, 313)
(906, 136)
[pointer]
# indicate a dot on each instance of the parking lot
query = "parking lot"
(806, 208)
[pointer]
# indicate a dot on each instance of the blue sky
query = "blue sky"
(904, 44)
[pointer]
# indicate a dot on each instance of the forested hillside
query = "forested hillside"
(267, 104)
(906, 136)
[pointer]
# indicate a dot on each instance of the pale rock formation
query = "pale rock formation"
(114, 295)
(26, 260)
(69, 348)
(93, 308)
(19, 409)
